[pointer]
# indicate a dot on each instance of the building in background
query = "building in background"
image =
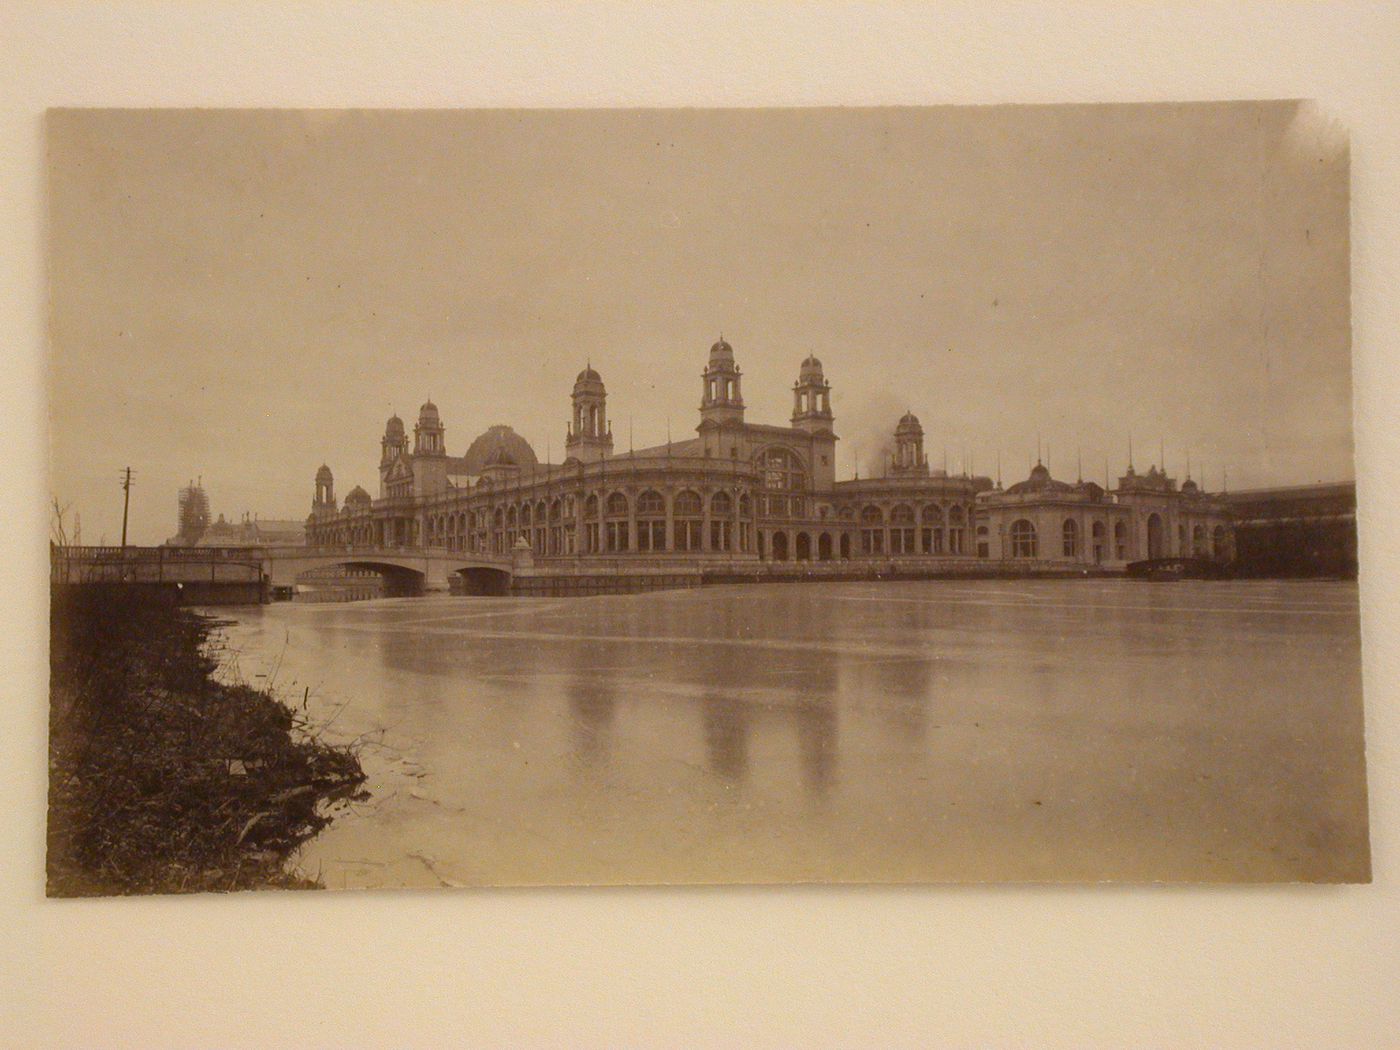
(194, 528)
(744, 492)
(1300, 530)
(192, 515)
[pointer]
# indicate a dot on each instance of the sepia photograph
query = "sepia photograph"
(530, 497)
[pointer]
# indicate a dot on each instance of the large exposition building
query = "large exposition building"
(744, 495)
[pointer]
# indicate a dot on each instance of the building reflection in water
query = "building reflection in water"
(815, 719)
(593, 708)
(726, 722)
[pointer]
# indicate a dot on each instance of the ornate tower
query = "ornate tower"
(909, 458)
(722, 401)
(429, 452)
(394, 443)
(427, 432)
(589, 437)
(811, 398)
(325, 491)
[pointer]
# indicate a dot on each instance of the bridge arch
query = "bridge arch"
(399, 581)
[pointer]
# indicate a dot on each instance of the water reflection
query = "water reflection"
(815, 720)
(999, 730)
(726, 725)
(593, 707)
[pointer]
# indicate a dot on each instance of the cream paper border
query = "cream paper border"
(968, 966)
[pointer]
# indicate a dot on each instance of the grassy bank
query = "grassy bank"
(162, 780)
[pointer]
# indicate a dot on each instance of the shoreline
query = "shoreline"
(162, 779)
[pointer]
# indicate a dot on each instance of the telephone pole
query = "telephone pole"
(126, 502)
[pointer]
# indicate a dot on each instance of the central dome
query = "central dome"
(502, 437)
(722, 349)
(1039, 481)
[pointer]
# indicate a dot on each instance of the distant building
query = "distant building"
(1300, 530)
(741, 492)
(194, 529)
(193, 516)
(253, 531)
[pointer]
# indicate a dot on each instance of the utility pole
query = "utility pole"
(126, 503)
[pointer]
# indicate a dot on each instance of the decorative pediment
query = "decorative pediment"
(400, 470)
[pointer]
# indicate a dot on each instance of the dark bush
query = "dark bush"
(162, 780)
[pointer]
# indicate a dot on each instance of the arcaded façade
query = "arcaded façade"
(743, 492)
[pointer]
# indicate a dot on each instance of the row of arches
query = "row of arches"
(1197, 541)
(780, 545)
(935, 529)
(601, 522)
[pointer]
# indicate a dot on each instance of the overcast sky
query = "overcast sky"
(243, 295)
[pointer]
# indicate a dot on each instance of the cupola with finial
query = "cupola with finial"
(909, 459)
(589, 437)
(811, 397)
(722, 401)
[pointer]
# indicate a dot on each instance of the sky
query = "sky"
(241, 295)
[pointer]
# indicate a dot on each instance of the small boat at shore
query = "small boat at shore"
(1166, 570)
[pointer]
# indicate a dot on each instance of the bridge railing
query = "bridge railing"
(153, 564)
(343, 550)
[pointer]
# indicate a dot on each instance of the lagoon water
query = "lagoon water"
(922, 731)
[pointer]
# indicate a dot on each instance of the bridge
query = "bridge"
(405, 570)
(237, 575)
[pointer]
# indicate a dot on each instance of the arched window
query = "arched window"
(957, 529)
(688, 504)
(902, 529)
(721, 523)
(984, 542)
(687, 510)
(872, 533)
(744, 539)
(510, 517)
(616, 534)
(592, 529)
(525, 514)
(1023, 539)
(498, 532)
(541, 541)
(1198, 542)
(931, 537)
(780, 546)
(555, 510)
(651, 521)
(1100, 533)
(784, 483)
(1120, 540)
(1071, 537)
